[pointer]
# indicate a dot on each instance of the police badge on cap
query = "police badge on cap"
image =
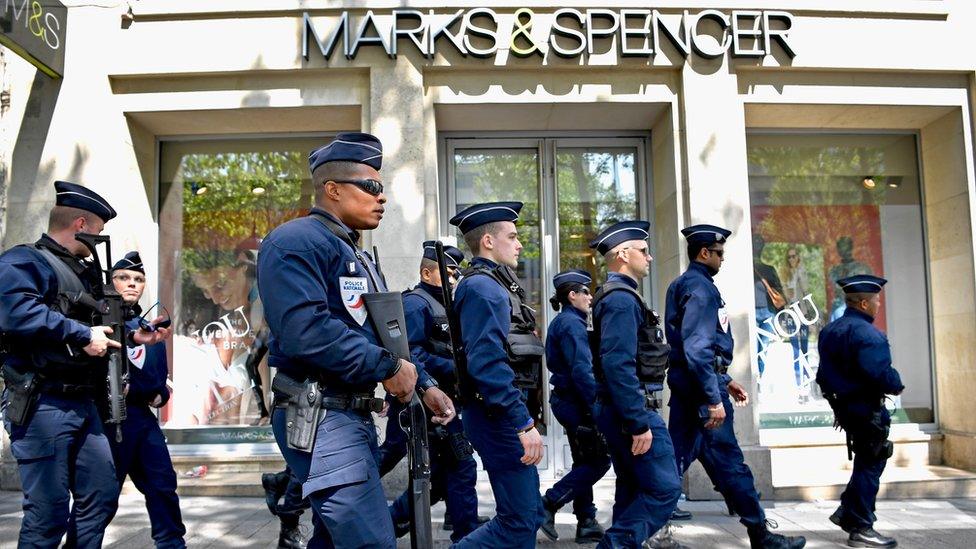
(705, 234)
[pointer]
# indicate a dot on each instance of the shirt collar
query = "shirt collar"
(701, 268)
(622, 278)
(573, 310)
(857, 313)
(477, 260)
(353, 234)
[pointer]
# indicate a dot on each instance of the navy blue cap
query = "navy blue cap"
(83, 198)
(618, 233)
(475, 216)
(349, 147)
(568, 276)
(862, 284)
(705, 234)
(452, 255)
(131, 262)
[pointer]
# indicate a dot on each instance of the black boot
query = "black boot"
(274, 485)
(761, 538)
(588, 530)
(837, 517)
(868, 537)
(290, 536)
(448, 523)
(680, 514)
(549, 525)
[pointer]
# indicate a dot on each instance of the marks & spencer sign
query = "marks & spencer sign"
(35, 30)
(568, 33)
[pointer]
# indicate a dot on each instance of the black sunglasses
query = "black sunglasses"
(370, 186)
(720, 253)
(149, 326)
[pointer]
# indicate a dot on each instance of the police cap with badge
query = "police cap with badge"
(705, 234)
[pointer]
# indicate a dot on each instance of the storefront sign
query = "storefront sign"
(568, 33)
(35, 30)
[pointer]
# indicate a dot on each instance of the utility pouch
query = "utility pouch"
(22, 394)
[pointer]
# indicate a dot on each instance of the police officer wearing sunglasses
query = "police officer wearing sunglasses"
(312, 276)
(142, 455)
(699, 332)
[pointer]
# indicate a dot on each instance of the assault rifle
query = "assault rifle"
(111, 308)
(457, 348)
(385, 310)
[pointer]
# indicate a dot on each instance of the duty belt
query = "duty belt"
(356, 403)
(66, 389)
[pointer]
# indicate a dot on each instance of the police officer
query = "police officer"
(855, 374)
(701, 409)
(54, 367)
(492, 315)
(629, 360)
(453, 470)
(142, 454)
(311, 279)
(570, 363)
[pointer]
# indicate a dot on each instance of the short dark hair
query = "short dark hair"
(62, 217)
(694, 248)
(473, 237)
(428, 264)
(330, 171)
(854, 298)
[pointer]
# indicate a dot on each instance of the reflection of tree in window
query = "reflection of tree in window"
(594, 189)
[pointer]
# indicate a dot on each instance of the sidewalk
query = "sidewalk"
(220, 522)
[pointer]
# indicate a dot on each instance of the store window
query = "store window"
(218, 198)
(826, 206)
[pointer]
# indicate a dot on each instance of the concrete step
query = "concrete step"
(930, 481)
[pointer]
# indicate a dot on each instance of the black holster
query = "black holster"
(453, 446)
(303, 410)
(591, 444)
(22, 393)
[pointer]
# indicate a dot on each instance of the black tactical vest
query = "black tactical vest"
(652, 351)
(73, 300)
(525, 349)
(440, 338)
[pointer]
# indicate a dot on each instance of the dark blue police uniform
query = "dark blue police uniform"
(311, 282)
(647, 487)
(570, 363)
(62, 453)
(453, 477)
(493, 418)
(855, 374)
(698, 330)
(143, 454)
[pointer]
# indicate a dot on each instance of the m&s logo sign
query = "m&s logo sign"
(35, 29)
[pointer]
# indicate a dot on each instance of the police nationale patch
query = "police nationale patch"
(351, 289)
(137, 355)
(723, 319)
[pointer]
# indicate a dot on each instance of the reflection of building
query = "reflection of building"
(207, 137)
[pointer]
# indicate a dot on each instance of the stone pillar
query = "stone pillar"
(716, 191)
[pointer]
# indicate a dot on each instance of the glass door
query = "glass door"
(572, 188)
